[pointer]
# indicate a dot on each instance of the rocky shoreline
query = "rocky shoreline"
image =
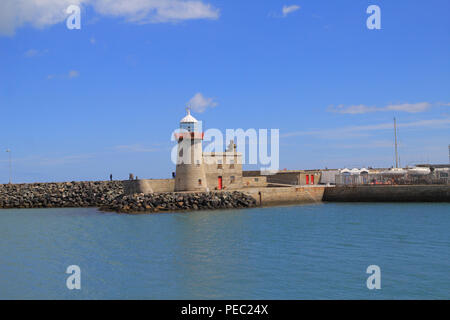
(110, 196)
(59, 195)
(140, 203)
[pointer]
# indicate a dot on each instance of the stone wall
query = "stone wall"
(251, 173)
(227, 165)
(286, 195)
(310, 177)
(147, 186)
(377, 193)
(288, 177)
(255, 181)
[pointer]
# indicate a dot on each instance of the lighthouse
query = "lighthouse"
(190, 171)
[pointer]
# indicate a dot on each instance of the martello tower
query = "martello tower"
(190, 171)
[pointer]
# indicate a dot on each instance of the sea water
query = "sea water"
(319, 251)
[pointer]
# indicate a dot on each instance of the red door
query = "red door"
(307, 179)
(219, 183)
(312, 179)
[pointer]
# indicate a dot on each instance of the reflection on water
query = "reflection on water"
(298, 252)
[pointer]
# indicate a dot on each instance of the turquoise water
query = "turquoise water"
(301, 252)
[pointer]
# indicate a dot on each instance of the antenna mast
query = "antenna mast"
(396, 150)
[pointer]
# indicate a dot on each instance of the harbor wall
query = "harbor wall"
(148, 186)
(286, 195)
(383, 193)
(105, 193)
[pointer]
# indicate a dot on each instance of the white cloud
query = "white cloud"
(356, 109)
(289, 9)
(362, 109)
(151, 11)
(409, 107)
(43, 13)
(69, 75)
(199, 103)
(354, 130)
(36, 13)
(368, 145)
(31, 53)
(73, 74)
(64, 160)
(135, 148)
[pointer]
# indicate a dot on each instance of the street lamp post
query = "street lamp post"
(10, 166)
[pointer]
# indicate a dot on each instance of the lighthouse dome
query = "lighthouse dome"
(188, 118)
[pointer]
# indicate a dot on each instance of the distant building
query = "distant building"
(436, 166)
(287, 177)
(440, 171)
(328, 176)
(421, 174)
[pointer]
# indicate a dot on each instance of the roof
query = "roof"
(188, 118)
(433, 165)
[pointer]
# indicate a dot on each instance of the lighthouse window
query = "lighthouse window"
(199, 182)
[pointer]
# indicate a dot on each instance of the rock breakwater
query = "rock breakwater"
(110, 196)
(179, 201)
(60, 195)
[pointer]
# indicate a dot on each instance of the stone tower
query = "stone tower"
(190, 171)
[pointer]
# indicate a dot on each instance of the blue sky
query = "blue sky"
(81, 104)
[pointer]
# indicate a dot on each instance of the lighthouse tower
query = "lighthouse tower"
(190, 171)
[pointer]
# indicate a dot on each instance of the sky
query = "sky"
(81, 104)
